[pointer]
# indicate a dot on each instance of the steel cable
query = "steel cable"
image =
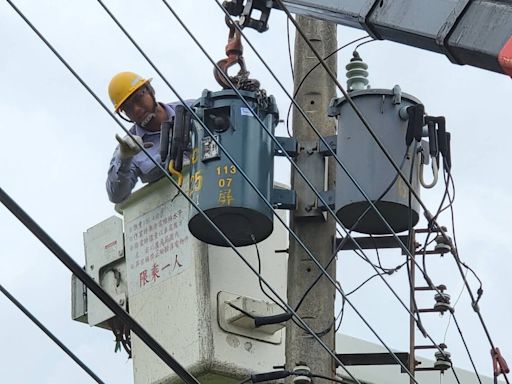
(48, 333)
(428, 215)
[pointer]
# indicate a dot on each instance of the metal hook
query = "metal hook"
(234, 52)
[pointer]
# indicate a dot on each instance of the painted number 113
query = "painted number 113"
(226, 170)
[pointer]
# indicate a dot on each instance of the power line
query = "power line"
(405, 249)
(379, 143)
(316, 66)
(50, 335)
(93, 286)
(158, 165)
(222, 148)
(465, 345)
(100, 292)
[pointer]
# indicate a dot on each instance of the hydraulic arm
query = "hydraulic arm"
(468, 32)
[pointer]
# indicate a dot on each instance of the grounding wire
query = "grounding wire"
(428, 215)
(465, 346)
(291, 65)
(363, 43)
(98, 291)
(449, 178)
(289, 47)
(50, 334)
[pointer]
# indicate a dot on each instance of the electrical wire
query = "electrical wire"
(386, 153)
(156, 164)
(282, 149)
(291, 65)
(289, 48)
(389, 273)
(465, 345)
(48, 333)
(68, 261)
(342, 243)
(316, 66)
(94, 287)
(86, 279)
(405, 249)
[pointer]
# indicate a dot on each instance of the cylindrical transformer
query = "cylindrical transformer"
(365, 161)
(216, 183)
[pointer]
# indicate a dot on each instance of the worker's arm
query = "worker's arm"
(122, 173)
(122, 177)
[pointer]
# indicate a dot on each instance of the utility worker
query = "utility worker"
(134, 100)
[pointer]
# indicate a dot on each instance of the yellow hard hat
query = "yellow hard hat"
(122, 87)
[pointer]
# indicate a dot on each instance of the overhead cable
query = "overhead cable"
(230, 244)
(94, 287)
(404, 248)
(227, 153)
(393, 163)
(291, 161)
(48, 333)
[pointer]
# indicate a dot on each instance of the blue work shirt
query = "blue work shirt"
(123, 174)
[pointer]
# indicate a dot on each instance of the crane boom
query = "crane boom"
(469, 32)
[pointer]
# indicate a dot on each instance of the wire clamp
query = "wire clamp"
(499, 364)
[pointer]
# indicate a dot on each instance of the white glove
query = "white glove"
(128, 147)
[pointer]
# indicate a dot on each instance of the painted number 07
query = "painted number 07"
(225, 182)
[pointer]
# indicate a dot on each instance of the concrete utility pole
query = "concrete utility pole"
(308, 222)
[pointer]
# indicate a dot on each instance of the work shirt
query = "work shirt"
(123, 174)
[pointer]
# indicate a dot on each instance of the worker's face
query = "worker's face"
(139, 106)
